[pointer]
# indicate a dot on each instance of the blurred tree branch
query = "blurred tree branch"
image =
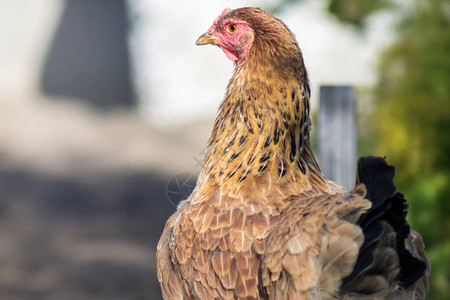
(352, 12)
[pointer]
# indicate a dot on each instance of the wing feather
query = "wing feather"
(316, 245)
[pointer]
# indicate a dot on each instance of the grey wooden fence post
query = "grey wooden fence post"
(337, 134)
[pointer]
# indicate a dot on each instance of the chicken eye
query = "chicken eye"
(232, 28)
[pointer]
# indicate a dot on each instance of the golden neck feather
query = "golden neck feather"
(263, 126)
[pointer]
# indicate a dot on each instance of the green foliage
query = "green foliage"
(356, 11)
(411, 126)
(413, 92)
(352, 12)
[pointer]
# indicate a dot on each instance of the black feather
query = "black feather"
(390, 207)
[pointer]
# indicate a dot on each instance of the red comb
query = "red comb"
(224, 12)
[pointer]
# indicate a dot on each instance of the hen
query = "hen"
(263, 222)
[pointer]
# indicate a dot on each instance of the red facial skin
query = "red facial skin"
(235, 44)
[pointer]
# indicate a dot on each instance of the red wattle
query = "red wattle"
(231, 56)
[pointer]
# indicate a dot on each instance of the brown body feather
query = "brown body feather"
(263, 222)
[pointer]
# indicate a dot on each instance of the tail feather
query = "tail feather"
(385, 217)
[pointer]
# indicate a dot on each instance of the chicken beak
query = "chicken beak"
(206, 39)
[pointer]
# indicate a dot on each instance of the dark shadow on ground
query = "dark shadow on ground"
(80, 236)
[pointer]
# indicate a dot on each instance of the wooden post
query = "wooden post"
(337, 134)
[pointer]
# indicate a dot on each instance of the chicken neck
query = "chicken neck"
(263, 128)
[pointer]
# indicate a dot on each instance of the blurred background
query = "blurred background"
(106, 107)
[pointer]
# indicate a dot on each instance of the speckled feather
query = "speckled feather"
(263, 222)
